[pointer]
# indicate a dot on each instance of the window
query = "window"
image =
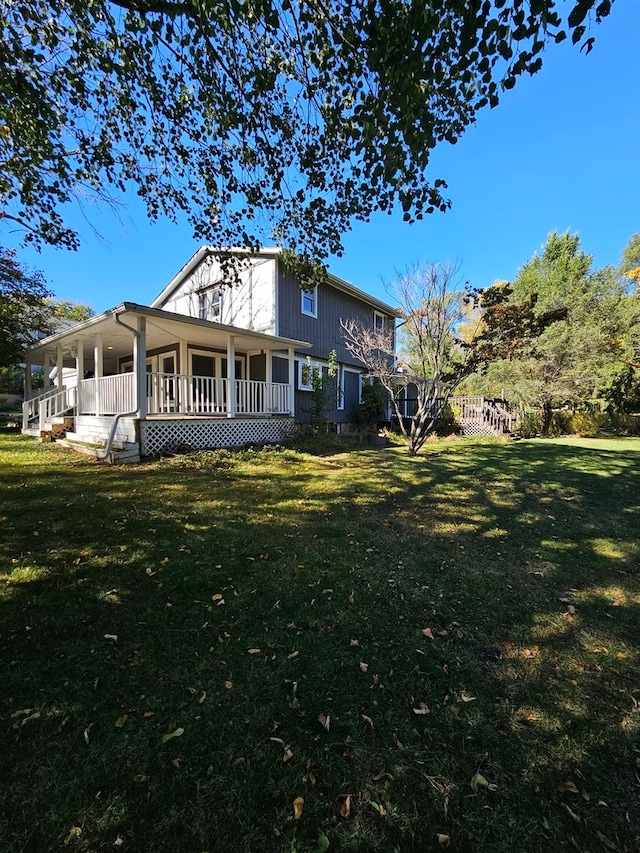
(210, 303)
(309, 304)
(379, 323)
(340, 388)
(307, 370)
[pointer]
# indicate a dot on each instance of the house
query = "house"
(210, 363)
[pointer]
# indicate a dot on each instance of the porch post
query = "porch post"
(59, 366)
(27, 380)
(79, 372)
(292, 383)
(268, 380)
(140, 366)
(231, 376)
(183, 387)
(97, 369)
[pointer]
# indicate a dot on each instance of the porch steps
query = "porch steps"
(125, 452)
(55, 429)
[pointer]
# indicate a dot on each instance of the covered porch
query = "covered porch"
(140, 364)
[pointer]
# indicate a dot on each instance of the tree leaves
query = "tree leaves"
(279, 119)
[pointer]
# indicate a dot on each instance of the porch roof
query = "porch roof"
(163, 329)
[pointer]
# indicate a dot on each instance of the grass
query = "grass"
(365, 631)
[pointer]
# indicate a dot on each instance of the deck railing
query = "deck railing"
(182, 393)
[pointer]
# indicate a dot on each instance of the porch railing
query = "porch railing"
(107, 395)
(182, 393)
(52, 403)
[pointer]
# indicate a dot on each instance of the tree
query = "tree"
(437, 354)
(571, 357)
(280, 118)
(24, 311)
(630, 261)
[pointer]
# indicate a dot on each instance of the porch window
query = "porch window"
(307, 371)
(210, 304)
(340, 389)
(309, 304)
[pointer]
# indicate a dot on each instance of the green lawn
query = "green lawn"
(431, 651)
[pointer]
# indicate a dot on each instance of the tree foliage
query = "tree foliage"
(280, 118)
(573, 359)
(24, 311)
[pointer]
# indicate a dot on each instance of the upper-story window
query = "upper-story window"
(309, 304)
(379, 323)
(210, 303)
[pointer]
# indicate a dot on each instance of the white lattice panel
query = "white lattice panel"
(183, 434)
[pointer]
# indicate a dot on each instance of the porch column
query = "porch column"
(79, 371)
(97, 369)
(292, 383)
(27, 380)
(59, 367)
(183, 388)
(231, 376)
(268, 379)
(140, 366)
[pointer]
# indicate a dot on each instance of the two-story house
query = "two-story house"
(210, 363)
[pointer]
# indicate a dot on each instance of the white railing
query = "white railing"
(107, 395)
(52, 403)
(182, 393)
(260, 398)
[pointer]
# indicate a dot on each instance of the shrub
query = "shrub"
(586, 423)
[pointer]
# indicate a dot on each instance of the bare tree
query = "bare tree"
(431, 360)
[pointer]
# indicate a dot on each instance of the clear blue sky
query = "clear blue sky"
(561, 151)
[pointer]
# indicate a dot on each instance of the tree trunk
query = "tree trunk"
(547, 416)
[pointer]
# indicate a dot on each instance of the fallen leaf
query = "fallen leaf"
(171, 735)
(422, 708)
(74, 832)
(351, 597)
(571, 610)
(568, 786)
(363, 666)
(287, 755)
(293, 655)
(325, 721)
(327, 592)
(176, 762)
(478, 781)
(298, 805)
(113, 637)
(467, 697)
(139, 777)
(367, 719)
(354, 643)
(217, 597)
(254, 651)
(378, 807)
(148, 714)
(443, 840)
(427, 632)
(121, 721)
(344, 806)
(228, 684)
(86, 734)
(118, 842)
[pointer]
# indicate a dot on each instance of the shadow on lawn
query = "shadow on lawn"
(521, 559)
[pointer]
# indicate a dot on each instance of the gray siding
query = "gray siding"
(322, 332)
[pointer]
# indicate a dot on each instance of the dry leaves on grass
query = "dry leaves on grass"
(344, 806)
(298, 806)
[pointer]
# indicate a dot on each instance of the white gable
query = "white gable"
(202, 290)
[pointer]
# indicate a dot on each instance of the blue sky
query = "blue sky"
(561, 151)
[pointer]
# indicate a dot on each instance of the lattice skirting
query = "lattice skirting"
(474, 428)
(182, 434)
